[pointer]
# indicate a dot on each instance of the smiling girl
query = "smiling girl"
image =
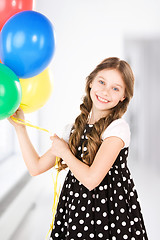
(98, 199)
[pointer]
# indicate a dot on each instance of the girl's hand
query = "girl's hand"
(59, 146)
(18, 114)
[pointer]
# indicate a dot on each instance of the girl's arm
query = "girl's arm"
(35, 164)
(33, 161)
(90, 176)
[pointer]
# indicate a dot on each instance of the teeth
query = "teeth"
(102, 99)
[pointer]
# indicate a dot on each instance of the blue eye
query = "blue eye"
(101, 82)
(115, 89)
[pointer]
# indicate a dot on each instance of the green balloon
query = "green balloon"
(10, 92)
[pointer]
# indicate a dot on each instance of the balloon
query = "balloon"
(27, 43)
(36, 91)
(10, 7)
(10, 92)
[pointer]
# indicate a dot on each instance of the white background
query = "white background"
(87, 31)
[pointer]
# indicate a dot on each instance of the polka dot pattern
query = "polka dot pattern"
(110, 211)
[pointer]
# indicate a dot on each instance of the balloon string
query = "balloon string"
(27, 123)
(55, 181)
(55, 199)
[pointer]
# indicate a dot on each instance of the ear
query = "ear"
(90, 85)
(122, 99)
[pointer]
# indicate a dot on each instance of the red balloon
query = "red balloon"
(8, 8)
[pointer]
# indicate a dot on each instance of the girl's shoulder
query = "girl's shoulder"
(118, 128)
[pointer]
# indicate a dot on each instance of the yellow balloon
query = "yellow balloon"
(36, 91)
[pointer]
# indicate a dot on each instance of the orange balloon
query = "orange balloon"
(36, 91)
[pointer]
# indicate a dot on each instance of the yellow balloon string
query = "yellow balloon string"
(27, 123)
(55, 199)
(55, 181)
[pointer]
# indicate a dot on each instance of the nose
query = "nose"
(106, 91)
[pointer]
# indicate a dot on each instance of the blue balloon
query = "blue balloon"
(27, 43)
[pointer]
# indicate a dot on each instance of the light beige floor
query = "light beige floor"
(36, 224)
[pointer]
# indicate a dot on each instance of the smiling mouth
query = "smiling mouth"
(102, 99)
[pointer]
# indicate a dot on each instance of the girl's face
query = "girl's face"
(107, 90)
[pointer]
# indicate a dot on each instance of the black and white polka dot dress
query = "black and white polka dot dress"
(111, 211)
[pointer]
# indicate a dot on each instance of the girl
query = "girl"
(98, 199)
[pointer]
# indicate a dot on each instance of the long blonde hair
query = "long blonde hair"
(94, 137)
